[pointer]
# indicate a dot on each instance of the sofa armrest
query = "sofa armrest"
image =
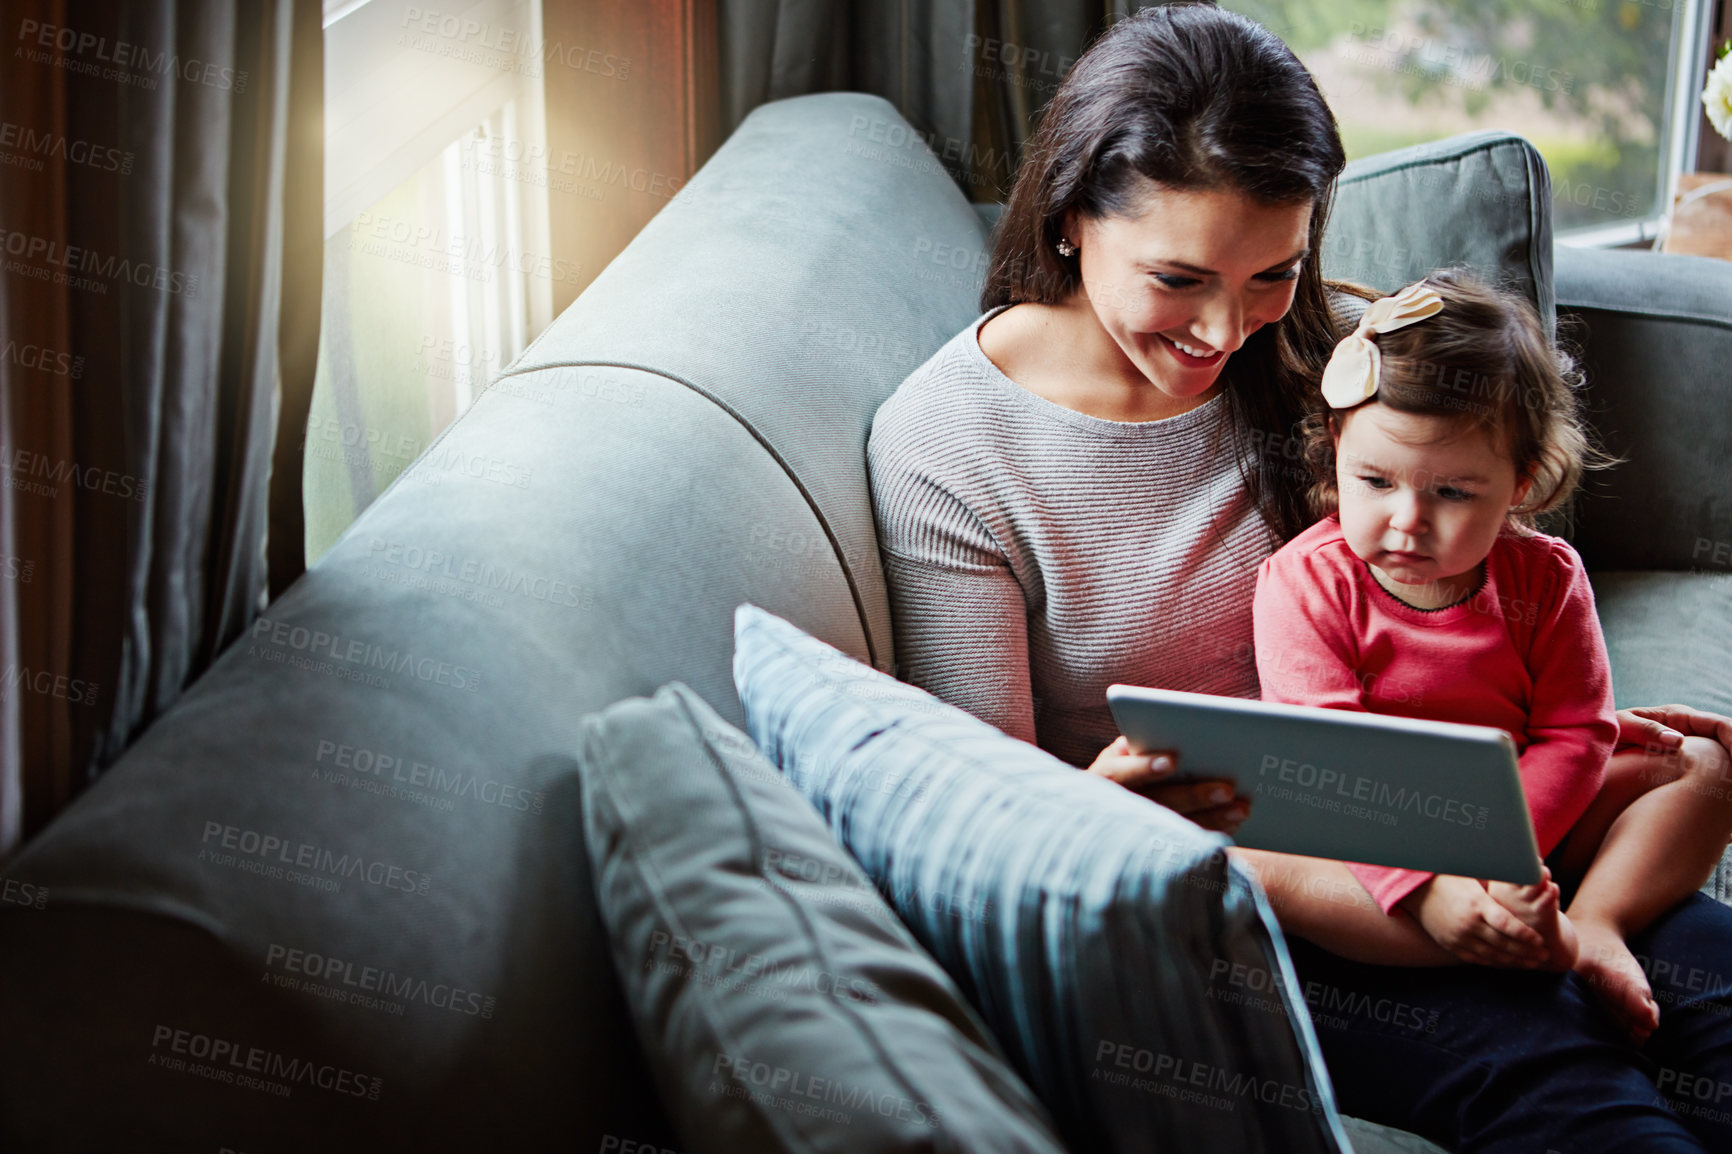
(1654, 332)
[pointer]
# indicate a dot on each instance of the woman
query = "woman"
(1079, 487)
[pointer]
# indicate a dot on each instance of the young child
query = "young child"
(1426, 592)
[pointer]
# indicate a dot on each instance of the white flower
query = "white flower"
(1717, 97)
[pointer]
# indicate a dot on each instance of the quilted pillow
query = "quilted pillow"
(781, 1004)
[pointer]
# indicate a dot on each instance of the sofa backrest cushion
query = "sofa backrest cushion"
(1482, 199)
(781, 1004)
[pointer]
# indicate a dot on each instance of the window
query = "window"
(435, 235)
(1603, 88)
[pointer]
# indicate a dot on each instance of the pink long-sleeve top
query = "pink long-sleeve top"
(1524, 654)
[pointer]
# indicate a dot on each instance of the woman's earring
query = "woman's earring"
(1065, 247)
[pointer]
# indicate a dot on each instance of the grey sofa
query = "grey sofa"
(347, 861)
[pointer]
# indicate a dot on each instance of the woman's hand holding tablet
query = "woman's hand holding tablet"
(1210, 802)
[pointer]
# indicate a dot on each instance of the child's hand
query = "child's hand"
(1462, 918)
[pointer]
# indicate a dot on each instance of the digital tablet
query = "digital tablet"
(1358, 787)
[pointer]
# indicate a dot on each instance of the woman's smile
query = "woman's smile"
(1192, 356)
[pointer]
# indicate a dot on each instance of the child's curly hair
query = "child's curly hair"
(1485, 360)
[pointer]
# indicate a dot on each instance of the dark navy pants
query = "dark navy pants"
(1488, 1061)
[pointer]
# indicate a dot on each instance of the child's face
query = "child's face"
(1421, 499)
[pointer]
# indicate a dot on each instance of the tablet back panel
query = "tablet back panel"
(1359, 787)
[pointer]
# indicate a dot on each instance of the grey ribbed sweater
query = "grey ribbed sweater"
(1035, 554)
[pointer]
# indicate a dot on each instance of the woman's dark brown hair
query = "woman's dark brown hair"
(1191, 97)
(1485, 361)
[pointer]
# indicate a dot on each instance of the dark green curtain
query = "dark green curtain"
(161, 199)
(970, 74)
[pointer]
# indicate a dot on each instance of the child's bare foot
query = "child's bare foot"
(1616, 978)
(1537, 907)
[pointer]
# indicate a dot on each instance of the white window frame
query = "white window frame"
(391, 109)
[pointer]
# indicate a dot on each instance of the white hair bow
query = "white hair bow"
(1351, 375)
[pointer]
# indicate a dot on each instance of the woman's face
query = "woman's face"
(1183, 281)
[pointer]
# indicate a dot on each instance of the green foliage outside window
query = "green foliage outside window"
(1584, 80)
